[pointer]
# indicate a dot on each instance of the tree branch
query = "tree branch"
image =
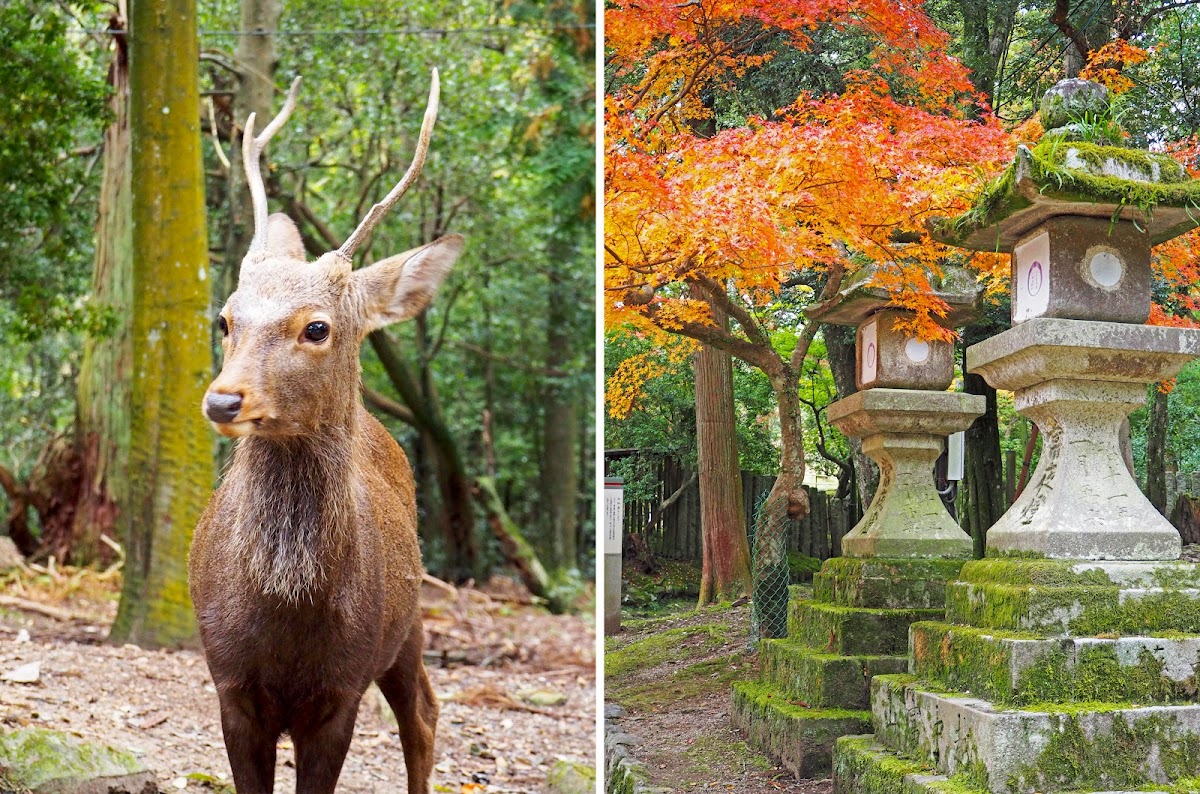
(388, 406)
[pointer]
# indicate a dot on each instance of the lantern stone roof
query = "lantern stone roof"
(1075, 170)
(858, 298)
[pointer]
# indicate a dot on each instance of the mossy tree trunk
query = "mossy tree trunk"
(725, 572)
(102, 391)
(457, 514)
(171, 446)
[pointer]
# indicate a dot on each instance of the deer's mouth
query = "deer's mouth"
(238, 429)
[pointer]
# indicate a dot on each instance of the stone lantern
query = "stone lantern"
(903, 413)
(896, 561)
(1069, 659)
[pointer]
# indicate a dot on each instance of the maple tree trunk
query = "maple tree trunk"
(725, 573)
(102, 389)
(171, 450)
(1156, 449)
(839, 342)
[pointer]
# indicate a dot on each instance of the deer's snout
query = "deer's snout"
(221, 407)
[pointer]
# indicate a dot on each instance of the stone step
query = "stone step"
(1014, 669)
(1076, 597)
(823, 680)
(863, 766)
(884, 584)
(1074, 610)
(850, 631)
(1044, 748)
(798, 738)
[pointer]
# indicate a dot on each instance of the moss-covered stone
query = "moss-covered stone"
(1074, 610)
(1019, 669)
(1048, 747)
(823, 680)
(862, 766)
(885, 584)
(1057, 170)
(799, 738)
(849, 631)
(38, 760)
(567, 777)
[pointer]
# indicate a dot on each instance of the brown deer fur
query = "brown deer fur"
(305, 566)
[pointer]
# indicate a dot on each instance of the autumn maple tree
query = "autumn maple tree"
(706, 218)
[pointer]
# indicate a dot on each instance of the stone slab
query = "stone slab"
(800, 739)
(1045, 348)
(823, 680)
(1076, 597)
(863, 766)
(907, 411)
(883, 583)
(850, 631)
(1058, 748)
(1014, 669)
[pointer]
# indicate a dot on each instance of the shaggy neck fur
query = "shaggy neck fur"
(295, 508)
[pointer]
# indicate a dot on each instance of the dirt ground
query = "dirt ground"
(672, 676)
(488, 657)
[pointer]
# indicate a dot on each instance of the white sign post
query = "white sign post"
(614, 520)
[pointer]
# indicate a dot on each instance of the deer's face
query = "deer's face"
(293, 329)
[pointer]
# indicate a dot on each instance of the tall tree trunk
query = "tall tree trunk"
(725, 573)
(455, 488)
(839, 342)
(256, 60)
(102, 390)
(983, 469)
(1156, 449)
(171, 446)
(987, 25)
(561, 419)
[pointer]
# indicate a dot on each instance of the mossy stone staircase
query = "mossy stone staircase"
(814, 685)
(1045, 676)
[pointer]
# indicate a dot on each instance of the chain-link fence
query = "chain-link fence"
(768, 537)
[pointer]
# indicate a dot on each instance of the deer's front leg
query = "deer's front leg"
(250, 736)
(322, 734)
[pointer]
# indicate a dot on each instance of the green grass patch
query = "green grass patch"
(669, 646)
(701, 678)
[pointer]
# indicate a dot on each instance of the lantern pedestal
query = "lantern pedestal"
(903, 430)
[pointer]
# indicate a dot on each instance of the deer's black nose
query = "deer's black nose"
(222, 408)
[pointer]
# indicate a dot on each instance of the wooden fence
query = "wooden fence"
(675, 535)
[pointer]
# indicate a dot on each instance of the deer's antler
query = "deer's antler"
(414, 170)
(252, 149)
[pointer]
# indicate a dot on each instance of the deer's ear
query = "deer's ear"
(399, 287)
(283, 238)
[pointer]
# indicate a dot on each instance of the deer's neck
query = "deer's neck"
(295, 510)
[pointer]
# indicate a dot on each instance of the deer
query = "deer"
(305, 568)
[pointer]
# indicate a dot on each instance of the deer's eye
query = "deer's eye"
(316, 331)
(223, 325)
